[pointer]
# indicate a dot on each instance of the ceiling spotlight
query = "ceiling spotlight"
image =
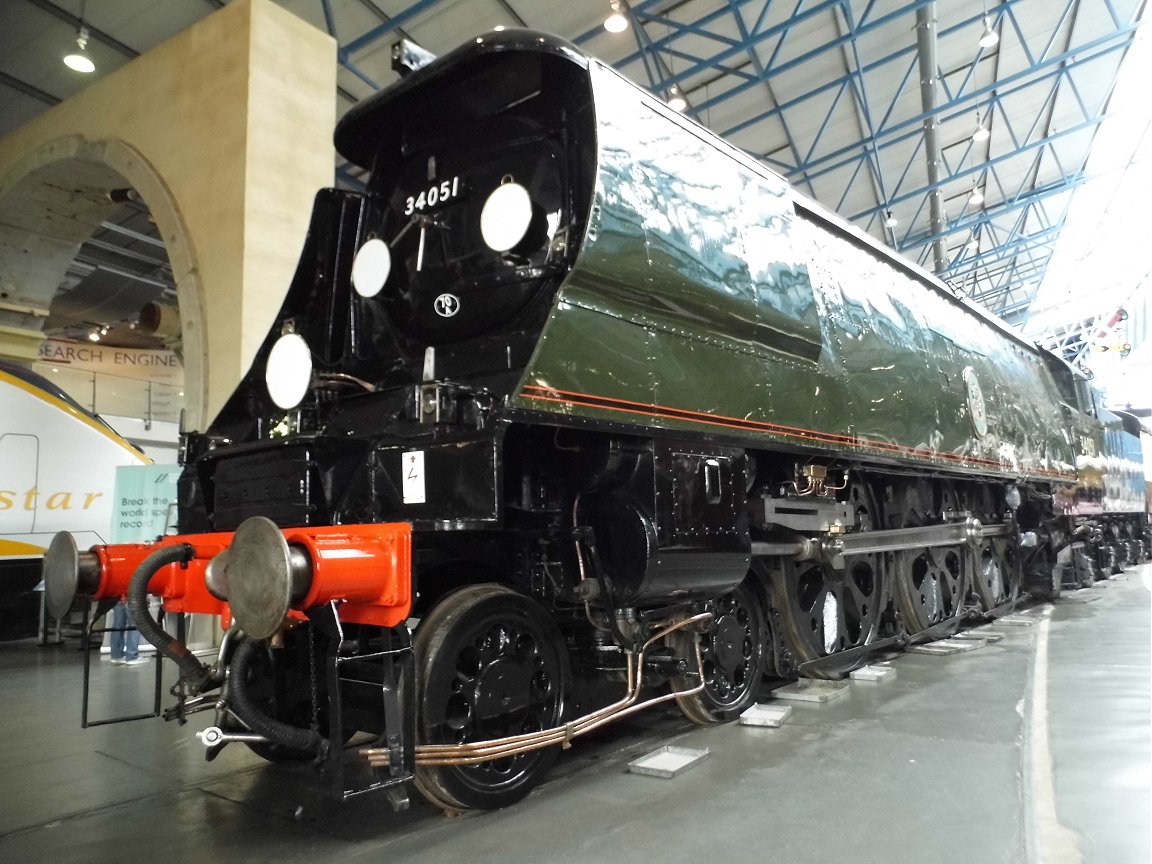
(79, 59)
(94, 336)
(981, 133)
(676, 100)
(976, 197)
(616, 22)
(891, 221)
(989, 37)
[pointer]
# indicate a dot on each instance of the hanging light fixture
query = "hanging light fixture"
(890, 221)
(78, 59)
(975, 197)
(989, 37)
(981, 133)
(617, 21)
(973, 244)
(676, 100)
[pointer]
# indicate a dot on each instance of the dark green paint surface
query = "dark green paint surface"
(704, 301)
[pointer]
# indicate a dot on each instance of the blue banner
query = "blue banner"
(145, 502)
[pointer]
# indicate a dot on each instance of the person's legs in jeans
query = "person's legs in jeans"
(116, 636)
(131, 638)
(124, 641)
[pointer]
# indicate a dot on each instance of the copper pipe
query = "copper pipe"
(484, 751)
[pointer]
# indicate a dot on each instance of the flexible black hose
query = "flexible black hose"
(191, 669)
(254, 717)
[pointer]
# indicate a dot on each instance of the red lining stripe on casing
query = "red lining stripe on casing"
(608, 403)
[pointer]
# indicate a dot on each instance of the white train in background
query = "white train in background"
(57, 473)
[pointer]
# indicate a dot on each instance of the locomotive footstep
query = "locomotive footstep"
(766, 715)
(811, 690)
(668, 761)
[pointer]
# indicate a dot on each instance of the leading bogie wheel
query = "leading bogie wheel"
(490, 663)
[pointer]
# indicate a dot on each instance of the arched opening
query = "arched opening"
(90, 236)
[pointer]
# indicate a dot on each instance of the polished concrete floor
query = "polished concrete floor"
(1035, 748)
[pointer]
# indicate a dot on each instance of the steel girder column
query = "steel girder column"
(929, 72)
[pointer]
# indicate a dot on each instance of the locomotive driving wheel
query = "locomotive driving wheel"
(731, 658)
(928, 583)
(826, 610)
(995, 579)
(490, 664)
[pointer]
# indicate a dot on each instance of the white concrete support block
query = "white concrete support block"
(667, 762)
(1015, 621)
(877, 672)
(986, 633)
(811, 690)
(772, 716)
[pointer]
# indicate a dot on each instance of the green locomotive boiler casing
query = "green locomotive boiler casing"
(684, 297)
(709, 299)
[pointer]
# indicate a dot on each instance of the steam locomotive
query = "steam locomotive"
(576, 410)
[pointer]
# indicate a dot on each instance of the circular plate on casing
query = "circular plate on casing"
(259, 577)
(61, 574)
(977, 409)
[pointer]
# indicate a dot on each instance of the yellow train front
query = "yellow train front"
(577, 410)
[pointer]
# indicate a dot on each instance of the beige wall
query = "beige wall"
(225, 130)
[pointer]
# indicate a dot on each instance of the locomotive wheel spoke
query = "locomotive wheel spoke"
(490, 664)
(731, 657)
